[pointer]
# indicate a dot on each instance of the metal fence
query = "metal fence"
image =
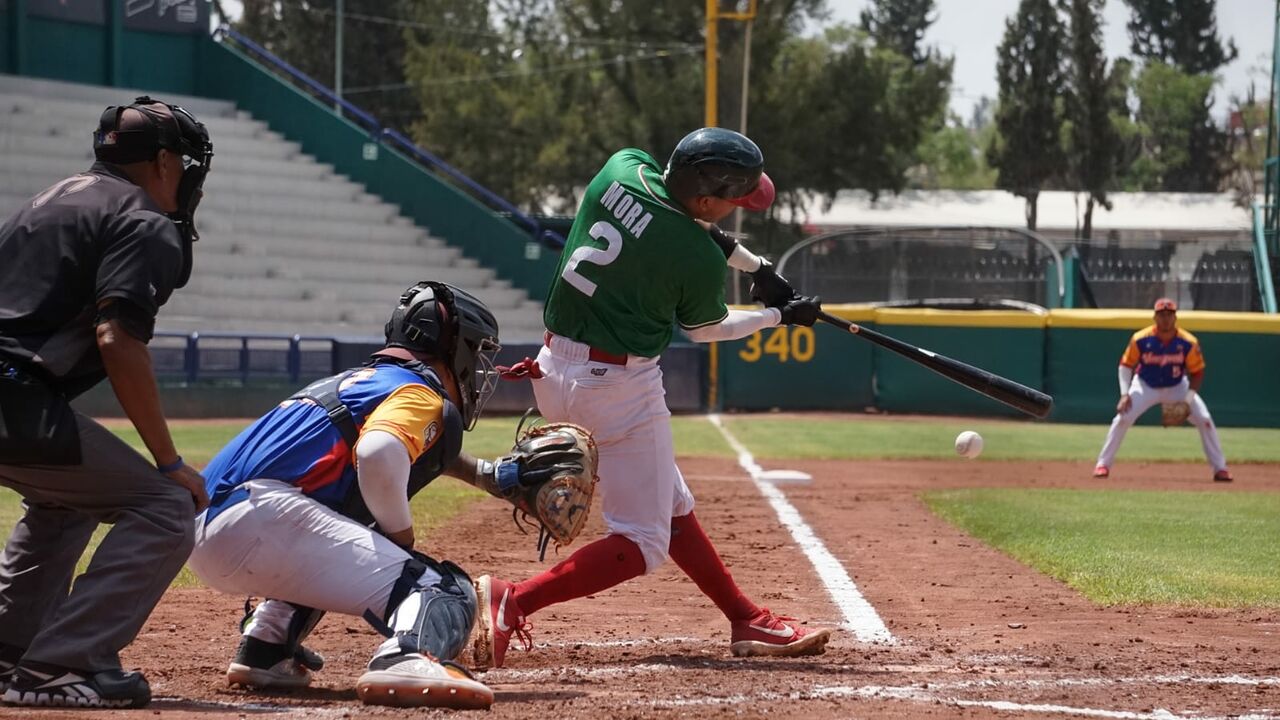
(992, 265)
(901, 264)
(241, 357)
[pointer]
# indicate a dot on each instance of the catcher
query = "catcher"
(1163, 364)
(310, 506)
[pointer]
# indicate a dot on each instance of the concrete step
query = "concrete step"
(56, 90)
(336, 229)
(325, 270)
(269, 251)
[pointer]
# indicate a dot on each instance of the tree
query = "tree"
(900, 25)
(1092, 138)
(1183, 36)
(1027, 151)
(1182, 33)
(951, 159)
(1171, 117)
(302, 34)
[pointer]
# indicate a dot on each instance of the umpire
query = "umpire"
(87, 264)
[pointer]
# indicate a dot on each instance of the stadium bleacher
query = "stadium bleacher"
(287, 245)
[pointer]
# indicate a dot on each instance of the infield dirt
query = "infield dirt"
(979, 634)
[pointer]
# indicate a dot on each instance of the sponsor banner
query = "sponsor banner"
(82, 11)
(172, 16)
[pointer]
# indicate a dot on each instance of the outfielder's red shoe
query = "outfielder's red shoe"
(775, 635)
(500, 618)
(1102, 471)
(1223, 475)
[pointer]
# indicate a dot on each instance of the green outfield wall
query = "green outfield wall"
(1071, 354)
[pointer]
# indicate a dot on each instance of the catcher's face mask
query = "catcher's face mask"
(167, 127)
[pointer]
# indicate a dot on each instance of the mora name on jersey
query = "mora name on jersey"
(626, 209)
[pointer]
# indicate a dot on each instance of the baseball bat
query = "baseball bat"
(1015, 395)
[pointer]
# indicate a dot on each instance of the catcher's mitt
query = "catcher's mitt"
(1176, 413)
(550, 476)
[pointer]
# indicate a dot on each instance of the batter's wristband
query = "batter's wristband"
(174, 466)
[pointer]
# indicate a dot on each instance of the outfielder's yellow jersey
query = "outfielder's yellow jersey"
(634, 262)
(1163, 364)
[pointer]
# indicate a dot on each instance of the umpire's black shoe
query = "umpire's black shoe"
(41, 685)
(9, 657)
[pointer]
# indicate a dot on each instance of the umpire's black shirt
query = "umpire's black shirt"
(89, 238)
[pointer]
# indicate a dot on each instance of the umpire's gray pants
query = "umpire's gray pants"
(152, 536)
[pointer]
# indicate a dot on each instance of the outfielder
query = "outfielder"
(637, 256)
(1169, 370)
(309, 507)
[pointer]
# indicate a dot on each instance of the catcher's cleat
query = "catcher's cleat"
(1102, 471)
(769, 634)
(260, 664)
(43, 685)
(500, 618)
(419, 680)
(1223, 475)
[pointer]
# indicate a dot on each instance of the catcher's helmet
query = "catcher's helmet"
(720, 163)
(450, 324)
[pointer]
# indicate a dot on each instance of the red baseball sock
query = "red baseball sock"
(697, 557)
(599, 566)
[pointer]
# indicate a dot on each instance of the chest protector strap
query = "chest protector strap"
(325, 394)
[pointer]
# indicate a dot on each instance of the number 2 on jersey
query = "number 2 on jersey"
(594, 256)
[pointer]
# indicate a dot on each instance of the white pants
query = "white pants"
(625, 409)
(1143, 397)
(281, 544)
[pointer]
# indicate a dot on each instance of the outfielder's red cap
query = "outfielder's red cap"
(760, 198)
(1166, 304)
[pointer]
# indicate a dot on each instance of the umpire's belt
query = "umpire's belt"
(563, 345)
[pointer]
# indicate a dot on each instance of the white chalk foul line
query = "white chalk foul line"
(916, 694)
(859, 617)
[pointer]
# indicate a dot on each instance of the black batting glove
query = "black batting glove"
(770, 288)
(801, 311)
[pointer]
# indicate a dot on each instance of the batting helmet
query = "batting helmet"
(720, 163)
(450, 324)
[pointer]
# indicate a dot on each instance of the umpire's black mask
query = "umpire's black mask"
(176, 131)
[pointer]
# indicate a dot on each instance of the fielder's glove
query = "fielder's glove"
(550, 476)
(1173, 414)
(770, 288)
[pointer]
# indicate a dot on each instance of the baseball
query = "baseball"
(969, 444)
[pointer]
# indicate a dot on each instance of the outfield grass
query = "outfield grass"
(869, 438)
(1122, 547)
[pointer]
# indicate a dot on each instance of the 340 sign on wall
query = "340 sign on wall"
(786, 343)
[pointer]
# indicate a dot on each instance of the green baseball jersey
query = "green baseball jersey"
(635, 262)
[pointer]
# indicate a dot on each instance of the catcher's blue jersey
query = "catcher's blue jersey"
(297, 443)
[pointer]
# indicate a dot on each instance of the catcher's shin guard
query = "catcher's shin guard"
(433, 618)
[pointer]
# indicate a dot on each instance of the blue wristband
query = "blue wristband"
(171, 467)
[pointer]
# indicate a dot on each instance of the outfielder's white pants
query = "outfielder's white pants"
(1143, 397)
(281, 544)
(625, 409)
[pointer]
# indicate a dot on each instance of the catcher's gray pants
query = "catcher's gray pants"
(151, 538)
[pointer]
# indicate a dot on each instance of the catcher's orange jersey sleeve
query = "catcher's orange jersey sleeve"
(414, 414)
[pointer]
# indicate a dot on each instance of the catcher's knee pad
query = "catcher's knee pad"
(432, 615)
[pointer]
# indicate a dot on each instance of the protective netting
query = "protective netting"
(993, 265)
(903, 264)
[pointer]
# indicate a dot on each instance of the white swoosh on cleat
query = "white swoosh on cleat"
(502, 612)
(786, 631)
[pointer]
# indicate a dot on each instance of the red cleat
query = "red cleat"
(1223, 475)
(500, 618)
(777, 636)
(1102, 471)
